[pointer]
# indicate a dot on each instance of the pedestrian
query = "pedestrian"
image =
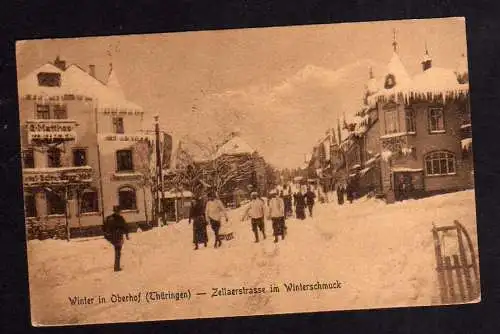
(350, 190)
(114, 228)
(309, 197)
(277, 215)
(256, 211)
(214, 211)
(197, 216)
(340, 193)
(300, 205)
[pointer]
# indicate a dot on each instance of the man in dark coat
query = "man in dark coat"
(300, 205)
(114, 228)
(197, 215)
(309, 197)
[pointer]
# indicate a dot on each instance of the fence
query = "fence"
(458, 274)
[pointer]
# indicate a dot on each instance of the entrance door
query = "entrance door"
(169, 207)
(403, 185)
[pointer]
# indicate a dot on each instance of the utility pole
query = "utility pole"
(159, 174)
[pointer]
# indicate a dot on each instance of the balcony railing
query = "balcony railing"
(50, 130)
(56, 176)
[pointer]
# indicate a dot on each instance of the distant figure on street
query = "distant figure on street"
(287, 199)
(340, 193)
(256, 211)
(197, 215)
(214, 212)
(350, 190)
(309, 197)
(277, 215)
(114, 228)
(300, 205)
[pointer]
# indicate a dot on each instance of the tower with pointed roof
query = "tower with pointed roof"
(113, 83)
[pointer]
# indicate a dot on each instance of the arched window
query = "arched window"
(127, 198)
(30, 204)
(89, 201)
(440, 163)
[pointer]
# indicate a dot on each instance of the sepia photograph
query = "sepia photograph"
(248, 172)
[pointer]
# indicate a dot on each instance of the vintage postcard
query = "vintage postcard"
(248, 172)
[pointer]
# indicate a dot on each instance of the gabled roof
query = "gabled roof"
(75, 81)
(234, 146)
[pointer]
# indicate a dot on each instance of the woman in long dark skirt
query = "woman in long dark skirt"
(197, 215)
(340, 194)
(300, 205)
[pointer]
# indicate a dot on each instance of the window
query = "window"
(410, 120)
(59, 111)
(54, 111)
(28, 159)
(55, 203)
(126, 198)
(391, 121)
(48, 79)
(79, 157)
(118, 125)
(54, 157)
(440, 163)
(436, 120)
(30, 205)
(124, 161)
(89, 201)
(42, 111)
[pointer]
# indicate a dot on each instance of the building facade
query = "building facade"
(413, 137)
(83, 150)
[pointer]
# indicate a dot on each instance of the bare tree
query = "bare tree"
(144, 155)
(223, 171)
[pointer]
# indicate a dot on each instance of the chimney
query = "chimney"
(426, 60)
(61, 64)
(92, 70)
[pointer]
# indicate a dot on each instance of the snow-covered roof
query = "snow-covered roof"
(114, 84)
(462, 67)
(397, 69)
(234, 146)
(177, 194)
(76, 81)
(435, 81)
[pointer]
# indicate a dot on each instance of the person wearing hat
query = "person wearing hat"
(277, 215)
(256, 211)
(114, 228)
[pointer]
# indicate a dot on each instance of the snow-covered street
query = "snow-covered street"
(377, 255)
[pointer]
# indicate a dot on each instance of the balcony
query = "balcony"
(50, 130)
(33, 177)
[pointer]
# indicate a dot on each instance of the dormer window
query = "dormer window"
(47, 79)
